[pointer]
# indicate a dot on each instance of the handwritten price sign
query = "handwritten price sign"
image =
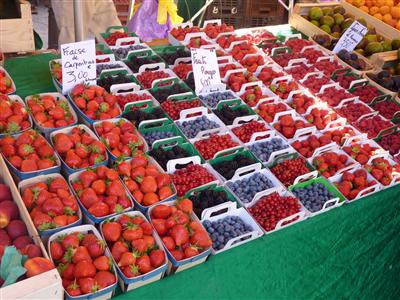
(205, 69)
(78, 64)
(351, 37)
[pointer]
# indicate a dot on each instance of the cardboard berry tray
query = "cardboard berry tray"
(65, 168)
(22, 185)
(175, 266)
(59, 97)
(126, 283)
(16, 98)
(88, 218)
(105, 293)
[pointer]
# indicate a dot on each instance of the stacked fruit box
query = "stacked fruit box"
(166, 177)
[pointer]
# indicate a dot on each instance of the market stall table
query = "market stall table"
(351, 251)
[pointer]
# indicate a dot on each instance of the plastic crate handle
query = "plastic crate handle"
(300, 215)
(228, 206)
(241, 239)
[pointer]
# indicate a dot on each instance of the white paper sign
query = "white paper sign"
(351, 37)
(205, 69)
(78, 64)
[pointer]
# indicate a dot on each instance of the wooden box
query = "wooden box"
(43, 286)
(16, 35)
(264, 13)
(380, 26)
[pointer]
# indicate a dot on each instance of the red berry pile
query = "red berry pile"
(383, 170)
(366, 93)
(301, 103)
(239, 51)
(50, 113)
(391, 143)
(79, 149)
(299, 71)
(197, 42)
(351, 184)
(236, 80)
(210, 146)
(131, 97)
(182, 70)
(387, 108)
(340, 135)
(146, 78)
(251, 63)
(5, 84)
(95, 102)
(252, 95)
(288, 126)
(13, 116)
(113, 37)
(28, 152)
(190, 177)
(179, 32)
(373, 125)
(267, 111)
(345, 80)
(314, 84)
(283, 88)
(308, 146)
(225, 68)
(329, 163)
(244, 132)
(312, 55)
(284, 58)
(353, 110)
(132, 245)
(173, 107)
(82, 263)
(120, 138)
(334, 96)
(298, 44)
(182, 237)
(101, 192)
(288, 170)
(328, 67)
(320, 117)
(360, 152)
(267, 74)
(212, 30)
(50, 203)
(225, 41)
(269, 210)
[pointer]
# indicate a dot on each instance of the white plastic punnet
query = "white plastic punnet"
(105, 293)
(293, 219)
(244, 216)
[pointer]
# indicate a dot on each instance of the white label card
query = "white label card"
(205, 69)
(351, 37)
(78, 64)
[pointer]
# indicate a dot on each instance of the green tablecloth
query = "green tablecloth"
(349, 252)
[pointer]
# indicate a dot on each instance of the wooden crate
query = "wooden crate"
(263, 13)
(385, 59)
(297, 21)
(16, 35)
(122, 7)
(47, 285)
(380, 26)
(229, 11)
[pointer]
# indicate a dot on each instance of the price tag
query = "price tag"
(78, 64)
(351, 37)
(205, 69)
